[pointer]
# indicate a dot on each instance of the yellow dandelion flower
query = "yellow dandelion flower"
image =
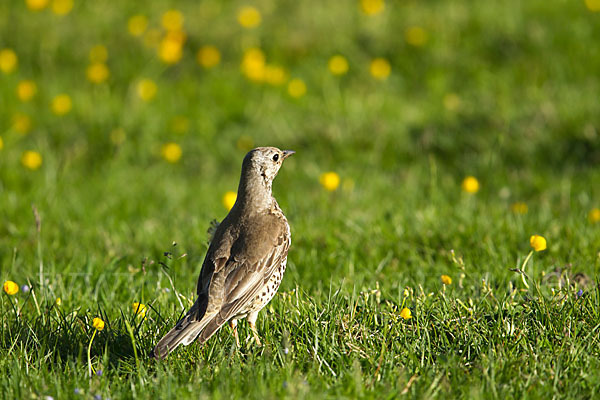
(180, 124)
(98, 54)
(117, 136)
(208, 56)
(594, 215)
(61, 104)
(98, 324)
(137, 24)
(62, 7)
(275, 75)
(253, 64)
(97, 72)
(11, 288)
(172, 20)
(26, 90)
(405, 313)
(31, 160)
(538, 242)
(446, 280)
(229, 199)
(171, 152)
(296, 88)
(21, 123)
(470, 185)
(380, 68)
(249, 17)
(338, 65)
(593, 5)
(58, 301)
(245, 143)
(140, 309)
(146, 89)
(36, 5)
(372, 7)
(8, 60)
(170, 50)
(152, 38)
(1, 143)
(519, 207)
(416, 36)
(451, 102)
(330, 181)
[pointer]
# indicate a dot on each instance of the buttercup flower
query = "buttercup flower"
(208, 56)
(31, 160)
(296, 88)
(446, 280)
(538, 242)
(470, 184)
(171, 152)
(253, 64)
(137, 25)
(26, 89)
(372, 7)
(62, 7)
(274, 74)
(249, 17)
(146, 89)
(594, 215)
(11, 288)
(139, 309)
(170, 50)
(229, 200)
(58, 301)
(97, 72)
(172, 20)
(380, 68)
(330, 181)
(8, 60)
(36, 5)
(405, 313)
(416, 36)
(338, 65)
(61, 104)
(98, 324)
(593, 5)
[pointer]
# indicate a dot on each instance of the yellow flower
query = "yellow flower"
(36, 5)
(171, 152)
(519, 207)
(98, 324)
(98, 54)
(405, 313)
(338, 65)
(446, 280)
(248, 17)
(253, 64)
(538, 242)
(117, 136)
(61, 104)
(146, 89)
(8, 60)
(62, 7)
(593, 5)
(172, 20)
(170, 50)
(275, 75)
(180, 124)
(97, 72)
(137, 25)
(380, 68)
(11, 288)
(229, 200)
(21, 123)
(451, 102)
(470, 184)
(26, 89)
(1, 143)
(208, 56)
(406, 293)
(245, 143)
(31, 159)
(416, 36)
(594, 215)
(330, 181)
(139, 309)
(372, 7)
(58, 302)
(296, 88)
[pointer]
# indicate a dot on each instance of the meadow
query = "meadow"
(443, 199)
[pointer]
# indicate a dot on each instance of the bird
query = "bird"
(245, 261)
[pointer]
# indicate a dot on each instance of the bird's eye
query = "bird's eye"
(276, 157)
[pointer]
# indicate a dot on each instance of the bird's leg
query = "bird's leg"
(255, 333)
(233, 325)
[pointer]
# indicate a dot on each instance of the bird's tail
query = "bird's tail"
(185, 332)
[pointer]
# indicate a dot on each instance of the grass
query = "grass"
(506, 92)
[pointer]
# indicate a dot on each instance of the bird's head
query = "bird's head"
(262, 164)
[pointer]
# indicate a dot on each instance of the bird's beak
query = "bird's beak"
(287, 153)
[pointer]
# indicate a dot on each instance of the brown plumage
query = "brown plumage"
(245, 261)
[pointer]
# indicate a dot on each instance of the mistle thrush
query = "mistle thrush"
(245, 261)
